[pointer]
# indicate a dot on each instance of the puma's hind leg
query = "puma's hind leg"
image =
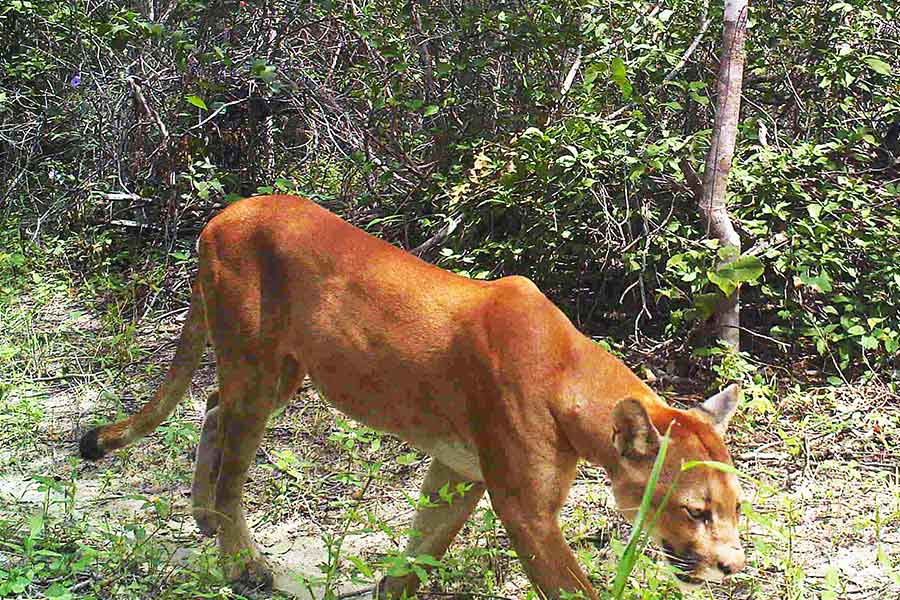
(248, 396)
(208, 460)
(245, 406)
(206, 469)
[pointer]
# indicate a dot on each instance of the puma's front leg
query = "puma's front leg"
(206, 469)
(528, 479)
(435, 525)
(548, 560)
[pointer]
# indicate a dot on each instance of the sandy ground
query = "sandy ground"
(833, 512)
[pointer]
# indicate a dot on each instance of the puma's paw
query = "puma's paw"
(252, 576)
(396, 587)
(207, 521)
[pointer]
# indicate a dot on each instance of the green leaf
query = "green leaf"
(832, 584)
(591, 73)
(814, 210)
(361, 566)
(263, 71)
(620, 76)
(407, 459)
(58, 591)
(821, 282)
(420, 573)
(856, 330)
(878, 65)
(727, 252)
(196, 101)
(19, 584)
(617, 70)
(431, 109)
(731, 275)
(36, 524)
(675, 261)
(706, 305)
(868, 342)
(745, 268)
(398, 569)
(427, 559)
(723, 283)
(445, 493)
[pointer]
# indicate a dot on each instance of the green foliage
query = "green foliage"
(55, 552)
(594, 210)
(403, 118)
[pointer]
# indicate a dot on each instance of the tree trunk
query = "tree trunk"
(713, 208)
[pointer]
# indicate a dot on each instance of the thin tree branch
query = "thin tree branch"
(139, 94)
(704, 25)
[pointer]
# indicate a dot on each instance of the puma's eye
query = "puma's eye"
(698, 514)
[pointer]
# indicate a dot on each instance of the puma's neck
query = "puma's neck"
(599, 382)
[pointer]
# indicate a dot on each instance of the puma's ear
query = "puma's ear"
(634, 436)
(719, 409)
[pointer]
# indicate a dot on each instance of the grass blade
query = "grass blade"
(629, 557)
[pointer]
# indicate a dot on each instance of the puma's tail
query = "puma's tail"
(97, 442)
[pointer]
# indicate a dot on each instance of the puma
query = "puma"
(487, 377)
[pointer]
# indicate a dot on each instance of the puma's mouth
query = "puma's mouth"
(682, 577)
(685, 563)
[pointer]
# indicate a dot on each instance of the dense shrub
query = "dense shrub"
(551, 134)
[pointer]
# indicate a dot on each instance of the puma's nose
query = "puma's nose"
(734, 562)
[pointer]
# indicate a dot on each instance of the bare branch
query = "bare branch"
(704, 25)
(139, 94)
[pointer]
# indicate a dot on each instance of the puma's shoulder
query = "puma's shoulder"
(526, 337)
(514, 306)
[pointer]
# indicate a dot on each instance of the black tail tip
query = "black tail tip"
(89, 447)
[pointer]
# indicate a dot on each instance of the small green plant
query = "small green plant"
(179, 436)
(732, 366)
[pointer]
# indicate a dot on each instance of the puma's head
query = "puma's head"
(698, 527)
